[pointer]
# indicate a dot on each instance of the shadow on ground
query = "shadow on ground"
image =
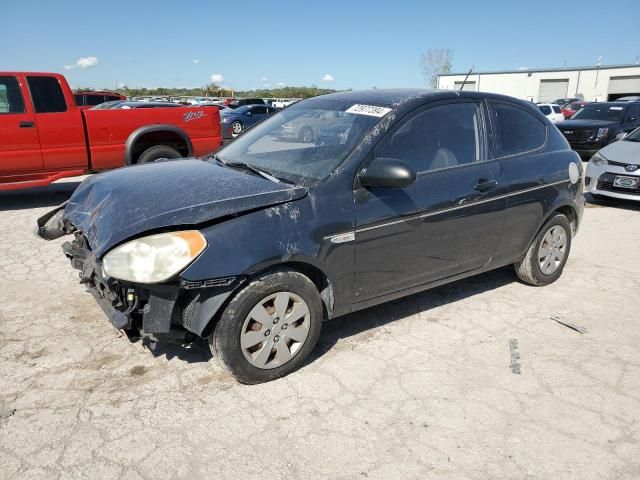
(612, 202)
(353, 324)
(49, 196)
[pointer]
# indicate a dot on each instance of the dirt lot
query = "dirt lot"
(418, 388)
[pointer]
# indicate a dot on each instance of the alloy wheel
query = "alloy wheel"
(552, 250)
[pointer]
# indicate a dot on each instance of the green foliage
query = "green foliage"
(213, 90)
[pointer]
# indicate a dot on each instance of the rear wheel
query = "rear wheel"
(157, 152)
(236, 128)
(548, 253)
(269, 328)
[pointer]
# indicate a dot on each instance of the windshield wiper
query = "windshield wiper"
(251, 168)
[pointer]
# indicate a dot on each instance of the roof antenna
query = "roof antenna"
(466, 78)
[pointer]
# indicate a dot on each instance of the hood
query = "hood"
(114, 206)
(622, 151)
(586, 124)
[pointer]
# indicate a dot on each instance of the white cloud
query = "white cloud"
(280, 84)
(196, 61)
(217, 78)
(264, 79)
(328, 78)
(83, 62)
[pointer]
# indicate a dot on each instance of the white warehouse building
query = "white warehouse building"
(597, 83)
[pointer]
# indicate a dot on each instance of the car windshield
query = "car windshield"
(634, 136)
(599, 112)
(303, 143)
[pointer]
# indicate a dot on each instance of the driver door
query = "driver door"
(448, 221)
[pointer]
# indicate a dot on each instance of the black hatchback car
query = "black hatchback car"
(256, 246)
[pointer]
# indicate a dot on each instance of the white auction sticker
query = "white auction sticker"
(368, 110)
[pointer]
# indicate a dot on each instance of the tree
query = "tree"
(435, 62)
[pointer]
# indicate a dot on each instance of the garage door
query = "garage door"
(471, 86)
(622, 86)
(551, 90)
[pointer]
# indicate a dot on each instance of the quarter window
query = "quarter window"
(516, 130)
(46, 94)
(441, 137)
(11, 100)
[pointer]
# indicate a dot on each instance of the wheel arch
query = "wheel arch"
(312, 272)
(151, 135)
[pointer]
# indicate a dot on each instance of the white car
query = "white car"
(551, 111)
(615, 170)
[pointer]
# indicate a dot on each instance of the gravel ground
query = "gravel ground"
(417, 388)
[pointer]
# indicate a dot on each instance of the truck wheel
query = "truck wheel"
(157, 152)
(548, 253)
(269, 328)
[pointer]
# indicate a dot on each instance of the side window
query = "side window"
(79, 98)
(46, 94)
(259, 110)
(11, 100)
(439, 137)
(556, 109)
(545, 110)
(111, 98)
(516, 130)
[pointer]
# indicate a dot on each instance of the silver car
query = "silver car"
(614, 171)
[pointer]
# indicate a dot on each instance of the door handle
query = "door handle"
(27, 125)
(484, 184)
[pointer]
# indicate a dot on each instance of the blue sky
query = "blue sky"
(340, 44)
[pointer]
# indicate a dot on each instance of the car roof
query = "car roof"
(404, 99)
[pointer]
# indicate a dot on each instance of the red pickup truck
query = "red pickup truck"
(44, 136)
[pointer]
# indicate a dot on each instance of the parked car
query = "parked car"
(254, 248)
(598, 124)
(551, 111)
(615, 170)
(234, 122)
(90, 98)
(566, 101)
(125, 105)
(569, 110)
(309, 128)
(44, 136)
(631, 98)
(241, 102)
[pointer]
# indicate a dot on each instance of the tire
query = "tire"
(236, 128)
(306, 135)
(251, 350)
(157, 152)
(556, 232)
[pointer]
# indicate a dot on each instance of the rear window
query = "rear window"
(516, 130)
(46, 94)
(95, 99)
(545, 109)
(79, 98)
(556, 109)
(11, 100)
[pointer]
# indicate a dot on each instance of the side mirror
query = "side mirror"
(388, 173)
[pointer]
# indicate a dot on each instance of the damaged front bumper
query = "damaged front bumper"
(175, 311)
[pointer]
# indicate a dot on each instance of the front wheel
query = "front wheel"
(269, 327)
(545, 260)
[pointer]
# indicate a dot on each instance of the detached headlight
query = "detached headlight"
(602, 132)
(598, 160)
(155, 258)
